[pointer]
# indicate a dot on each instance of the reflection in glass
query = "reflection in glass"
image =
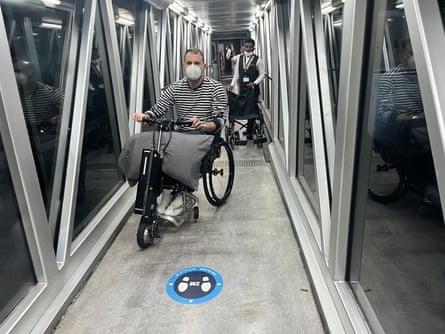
(37, 37)
(309, 175)
(125, 13)
(404, 236)
(149, 78)
(305, 153)
(156, 23)
(99, 176)
(442, 11)
(281, 124)
(333, 28)
(17, 274)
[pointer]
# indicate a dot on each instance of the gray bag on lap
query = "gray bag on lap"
(182, 157)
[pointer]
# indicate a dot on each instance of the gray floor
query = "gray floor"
(248, 241)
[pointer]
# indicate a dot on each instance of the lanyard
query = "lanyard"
(248, 63)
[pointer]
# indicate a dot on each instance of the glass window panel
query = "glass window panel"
(150, 76)
(17, 274)
(305, 154)
(283, 29)
(156, 24)
(333, 28)
(125, 13)
(308, 171)
(442, 11)
(38, 36)
(99, 175)
(281, 124)
(403, 247)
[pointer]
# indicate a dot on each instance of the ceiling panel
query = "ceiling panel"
(223, 15)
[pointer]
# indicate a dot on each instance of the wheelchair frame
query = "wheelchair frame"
(217, 170)
(235, 117)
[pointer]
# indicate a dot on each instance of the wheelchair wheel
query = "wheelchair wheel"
(386, 182)
(218, 180)
(260, 134)
(230, 135)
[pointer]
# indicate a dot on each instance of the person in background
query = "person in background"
(248, 74)
(228, 54)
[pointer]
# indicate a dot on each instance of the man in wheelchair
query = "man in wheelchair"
(401, 134)
(400, 114)
(196, 98)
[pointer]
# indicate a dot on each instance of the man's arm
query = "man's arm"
(57, 99)
(261, 73)
(385, 101)
(219, 106)
(165, 103)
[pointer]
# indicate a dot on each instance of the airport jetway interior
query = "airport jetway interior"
(352, 104)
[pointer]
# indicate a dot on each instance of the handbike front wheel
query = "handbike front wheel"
(218, 181)
(386, 183)
(147, 231)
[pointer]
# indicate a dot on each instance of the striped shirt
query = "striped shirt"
(43, 104)
(398, 93)
(206, 102)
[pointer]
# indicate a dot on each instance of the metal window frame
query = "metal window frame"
(67, 216)
(113, 56)
(428, 41)
(319, 140)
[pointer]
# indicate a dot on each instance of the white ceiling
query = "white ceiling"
(226, 15)
(223, 15)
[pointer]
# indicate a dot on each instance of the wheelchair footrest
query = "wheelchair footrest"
(189, 203)
(259, 140)
(241, 142)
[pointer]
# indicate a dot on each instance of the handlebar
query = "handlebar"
(167, 124)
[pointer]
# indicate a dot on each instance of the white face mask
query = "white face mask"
(411, 63)
(193, 72)
(22, 79)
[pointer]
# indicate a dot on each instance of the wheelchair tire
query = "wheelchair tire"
(218, 180)
(196, 213)
(230, 136)
(386, 182)
(146, 232)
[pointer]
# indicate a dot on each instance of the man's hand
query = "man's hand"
(55, 120)
(203, 126)
(140, 116)
(251, 85)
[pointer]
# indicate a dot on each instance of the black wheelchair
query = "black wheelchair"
(217, 171)
(399, 164)
(243, 108)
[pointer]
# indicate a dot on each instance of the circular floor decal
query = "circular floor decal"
(194, 285)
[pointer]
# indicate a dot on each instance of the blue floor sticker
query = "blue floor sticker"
(194, 285)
